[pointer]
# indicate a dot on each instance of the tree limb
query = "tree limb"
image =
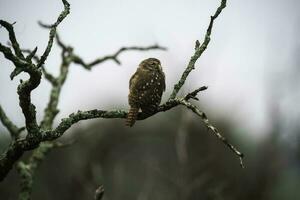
(33, 138)
(199, 49)
(27, 171)
(214, 130)
(11, 127)
(52, 33)
(12, 38)
(114, 56)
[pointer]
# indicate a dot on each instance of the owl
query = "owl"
(145, 89)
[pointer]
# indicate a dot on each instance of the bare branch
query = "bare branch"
(192, 95)
(12, 38)
(60, 43)
(27, 171)
(199, 49)
(214, 130)
(113, 57)
(19, 64)
(49, 77)
(52, 33)
(31, 55)
(51, 110)
(30, 52)
(11, 127)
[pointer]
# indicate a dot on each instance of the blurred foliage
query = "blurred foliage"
(170, 156)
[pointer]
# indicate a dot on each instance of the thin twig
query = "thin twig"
(11, 127)
(114, 57)
(214, 130)
(52, 33)
(192, 95)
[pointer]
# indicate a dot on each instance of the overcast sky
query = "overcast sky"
(248, 66)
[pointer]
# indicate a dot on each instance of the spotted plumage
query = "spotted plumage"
(145, 89)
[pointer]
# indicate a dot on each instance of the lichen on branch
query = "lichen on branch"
(22, 64)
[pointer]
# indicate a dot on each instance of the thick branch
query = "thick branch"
(25, 88)
(28, 109)
(73, 118)
(12, 154)
(199, 49)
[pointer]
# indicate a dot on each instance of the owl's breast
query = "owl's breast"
(147, 90)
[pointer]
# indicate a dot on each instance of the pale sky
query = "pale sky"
(248, 65)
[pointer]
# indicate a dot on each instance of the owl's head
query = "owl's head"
(151, 64)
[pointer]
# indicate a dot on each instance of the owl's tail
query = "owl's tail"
(132, 115)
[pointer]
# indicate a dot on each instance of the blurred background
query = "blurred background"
(251, 68)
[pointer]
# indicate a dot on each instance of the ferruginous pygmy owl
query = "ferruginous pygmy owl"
(145, 89)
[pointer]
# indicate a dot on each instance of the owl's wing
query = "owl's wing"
(137, 80)
(133, 78)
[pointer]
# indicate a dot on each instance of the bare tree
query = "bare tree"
(41, 137)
